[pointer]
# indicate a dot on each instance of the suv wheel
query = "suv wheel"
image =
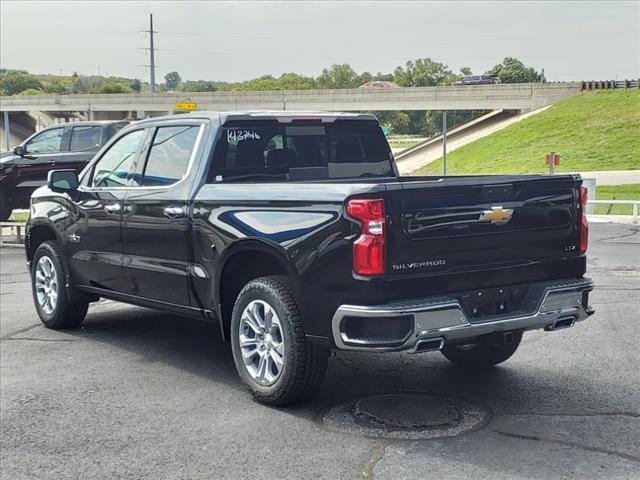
(48, 276)
(271, 353)
(485, 353)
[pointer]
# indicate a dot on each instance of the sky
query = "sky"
(235, 41)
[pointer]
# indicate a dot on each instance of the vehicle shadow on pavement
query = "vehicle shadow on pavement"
(519, 386)
(183, 343)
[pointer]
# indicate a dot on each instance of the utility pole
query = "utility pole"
(152, 55)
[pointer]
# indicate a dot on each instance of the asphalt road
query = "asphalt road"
(140, 394)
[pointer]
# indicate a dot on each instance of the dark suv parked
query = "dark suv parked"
(479, 80)
(69, 145)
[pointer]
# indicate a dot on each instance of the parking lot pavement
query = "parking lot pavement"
(140, 394)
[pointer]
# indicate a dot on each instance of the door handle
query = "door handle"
(113, 208)
(174, 212)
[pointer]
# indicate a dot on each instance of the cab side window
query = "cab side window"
(85, 138)
(113, 168)
(47, 142)
(169, 155)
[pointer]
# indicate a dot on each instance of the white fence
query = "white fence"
(633, 203)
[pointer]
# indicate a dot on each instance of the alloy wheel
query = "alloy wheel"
(261, 342)
(46, 285)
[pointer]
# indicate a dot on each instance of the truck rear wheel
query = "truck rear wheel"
(48, 278)
(274, 359)
(484, 353)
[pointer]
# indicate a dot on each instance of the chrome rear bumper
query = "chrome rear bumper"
(440, 320)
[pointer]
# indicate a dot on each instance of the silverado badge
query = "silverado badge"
(497, 215)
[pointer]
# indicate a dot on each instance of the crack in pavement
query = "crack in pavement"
(608, 239)
(375, 455)
(567, 443)
(621, 289)
(589, 414)
(18, 332)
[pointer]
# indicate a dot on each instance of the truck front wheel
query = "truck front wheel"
(272, 355)
(485, 352)
(48, 277)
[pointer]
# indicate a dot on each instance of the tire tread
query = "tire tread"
(309, 362)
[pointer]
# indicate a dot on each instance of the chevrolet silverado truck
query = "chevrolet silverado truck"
(67, 146)
(296, 233)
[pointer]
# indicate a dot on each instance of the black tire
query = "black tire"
(5, 209)
(304, 364)
(63, 313)
(482, 354)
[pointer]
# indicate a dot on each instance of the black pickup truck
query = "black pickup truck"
(68, 146)
(295, 232)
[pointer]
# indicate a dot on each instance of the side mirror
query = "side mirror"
(19, 150)
(63, 181)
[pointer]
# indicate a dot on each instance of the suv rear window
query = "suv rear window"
(271, 151)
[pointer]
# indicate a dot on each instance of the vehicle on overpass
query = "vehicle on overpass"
(479, 80)
(378, 85)
(69, 145)
(295, 232)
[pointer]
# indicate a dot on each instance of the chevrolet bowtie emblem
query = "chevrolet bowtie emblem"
(497, 215)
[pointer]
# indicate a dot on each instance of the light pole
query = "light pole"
(444, 142)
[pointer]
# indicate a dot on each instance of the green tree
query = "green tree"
(398, 121)
(16, 81)
(338, 76)
(172, 80)
(424, 72)
(32, 91)
(58, 87)
(113, 87)
(512, 70)
(465, 71)
(287, 81)
(198, 86)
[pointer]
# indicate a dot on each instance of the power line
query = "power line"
(395, 40)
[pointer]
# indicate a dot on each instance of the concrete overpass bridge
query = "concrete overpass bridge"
(479, 97)
(517, 97)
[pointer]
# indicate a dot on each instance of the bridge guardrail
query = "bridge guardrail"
(610, 84)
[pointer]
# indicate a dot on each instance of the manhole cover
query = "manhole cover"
(406, 416)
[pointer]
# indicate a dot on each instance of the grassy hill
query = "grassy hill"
(591, 131)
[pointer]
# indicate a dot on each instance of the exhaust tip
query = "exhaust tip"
(429, 345)
(564, 322)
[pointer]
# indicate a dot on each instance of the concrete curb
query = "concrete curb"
(12, 245)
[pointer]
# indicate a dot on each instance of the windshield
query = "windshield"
(271, 151)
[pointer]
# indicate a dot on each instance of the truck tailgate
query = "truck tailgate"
(466, 224)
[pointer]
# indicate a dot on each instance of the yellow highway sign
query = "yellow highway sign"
(186, 106)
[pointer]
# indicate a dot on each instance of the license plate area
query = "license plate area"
(486, 304)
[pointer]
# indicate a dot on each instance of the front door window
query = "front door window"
(112, 170)
(47, 142)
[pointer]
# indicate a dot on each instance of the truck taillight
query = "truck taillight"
(584, 225)
(369, 247)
